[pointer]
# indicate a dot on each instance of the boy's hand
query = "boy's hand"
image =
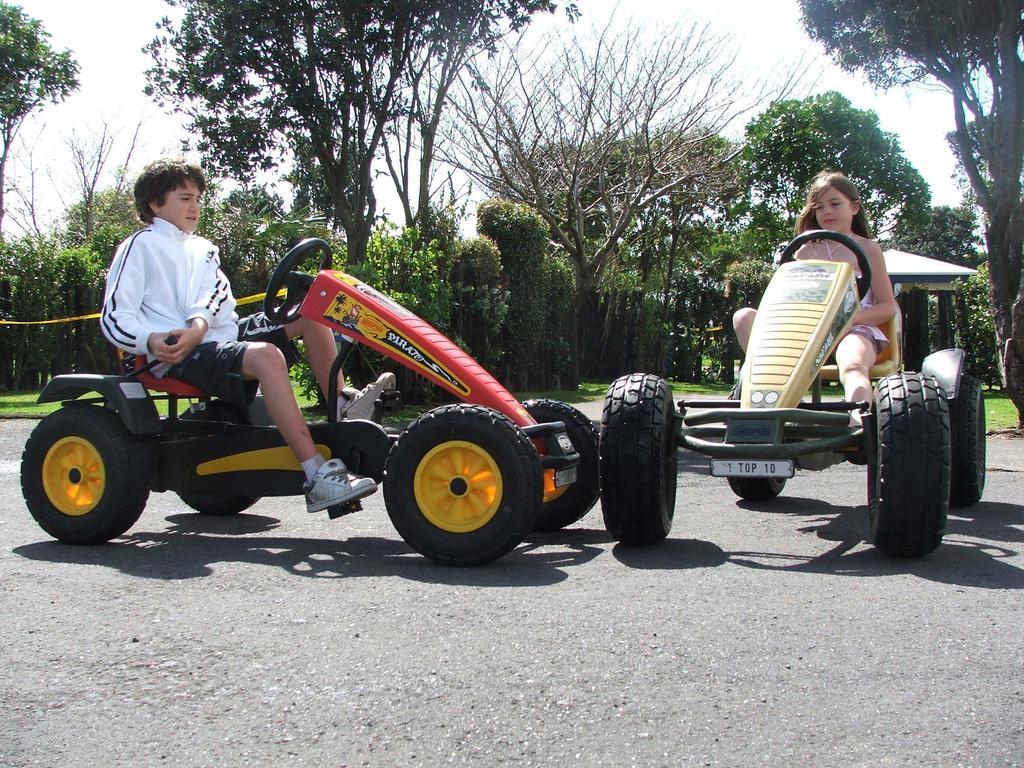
(176, 345)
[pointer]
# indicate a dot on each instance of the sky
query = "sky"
(766, 35)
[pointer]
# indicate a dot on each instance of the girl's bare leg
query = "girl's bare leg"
(854, 356)
(742, 323)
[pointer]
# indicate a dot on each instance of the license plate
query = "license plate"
(565, 477)
(752, 467)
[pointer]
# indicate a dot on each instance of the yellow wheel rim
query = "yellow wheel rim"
(550, 491)
(74, 476)
(458, 486)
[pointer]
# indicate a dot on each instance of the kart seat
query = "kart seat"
(165, 384)
(889, 361)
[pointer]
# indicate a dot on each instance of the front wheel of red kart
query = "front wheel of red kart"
(463, 485)
(638, 459)
(564, 506)
(908, 490)
(84, 476)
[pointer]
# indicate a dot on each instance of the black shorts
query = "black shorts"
(216, 367)
(257, 327)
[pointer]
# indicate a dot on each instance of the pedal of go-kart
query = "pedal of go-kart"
(339, 510)
(392, 400)
(389, 401)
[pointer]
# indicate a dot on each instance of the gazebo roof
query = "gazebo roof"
(910, 270)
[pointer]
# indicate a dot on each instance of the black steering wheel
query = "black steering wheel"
(296, 284)
(863, 282)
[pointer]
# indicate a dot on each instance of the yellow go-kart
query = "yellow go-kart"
(922, 439)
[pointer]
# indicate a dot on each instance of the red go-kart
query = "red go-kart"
(463, 484)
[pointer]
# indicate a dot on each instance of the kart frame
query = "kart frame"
(88, 468)
(923, 429)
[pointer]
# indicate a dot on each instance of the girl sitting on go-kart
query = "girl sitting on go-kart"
(833, 203)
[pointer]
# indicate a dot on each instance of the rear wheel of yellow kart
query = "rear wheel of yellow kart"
(85, 478)
(757, 488)
(967, 444)
(463, 485)
(566, 504)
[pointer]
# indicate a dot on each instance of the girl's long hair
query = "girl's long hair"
(808, 219)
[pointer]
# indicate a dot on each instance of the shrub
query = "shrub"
(558, 367)
(39, 280)
(480, 301)
(976, 331)
(521, 236)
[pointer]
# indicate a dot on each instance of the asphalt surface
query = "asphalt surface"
(756, 635)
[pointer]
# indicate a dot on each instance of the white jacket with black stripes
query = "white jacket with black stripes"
(160, 279)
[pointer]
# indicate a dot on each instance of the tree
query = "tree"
(321, 79)
(793, 140)
(31, 74)
(973, 48)
(431, 73)
(592, 130)
(90, 159)
(598, 131)
(948, 234)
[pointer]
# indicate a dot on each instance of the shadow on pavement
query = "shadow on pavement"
(958, 560)
(195, 543)
(674, 554)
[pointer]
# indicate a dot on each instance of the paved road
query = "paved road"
(766, 635)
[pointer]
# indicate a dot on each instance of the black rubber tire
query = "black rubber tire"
(638, 459)
(754, 488)
(580, 497)
(967, 444)
(513, 474)
(908, 492)
(94, 454)
(757, 488)
(217, 504)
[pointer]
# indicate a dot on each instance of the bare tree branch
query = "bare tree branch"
(592, 129)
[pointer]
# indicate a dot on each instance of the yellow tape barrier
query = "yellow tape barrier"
(240, 303)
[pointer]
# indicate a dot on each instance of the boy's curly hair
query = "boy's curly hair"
(163, 176)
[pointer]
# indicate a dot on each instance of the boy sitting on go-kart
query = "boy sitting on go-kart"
(833, 203)
(167, 297)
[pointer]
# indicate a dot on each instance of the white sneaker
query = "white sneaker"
(361, 405)
(334, 484)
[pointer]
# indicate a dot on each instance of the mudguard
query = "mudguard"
(123, 394)
(946, 366)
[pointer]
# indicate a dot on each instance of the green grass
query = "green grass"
(589, 390)
(999, 411)
(24, 404)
